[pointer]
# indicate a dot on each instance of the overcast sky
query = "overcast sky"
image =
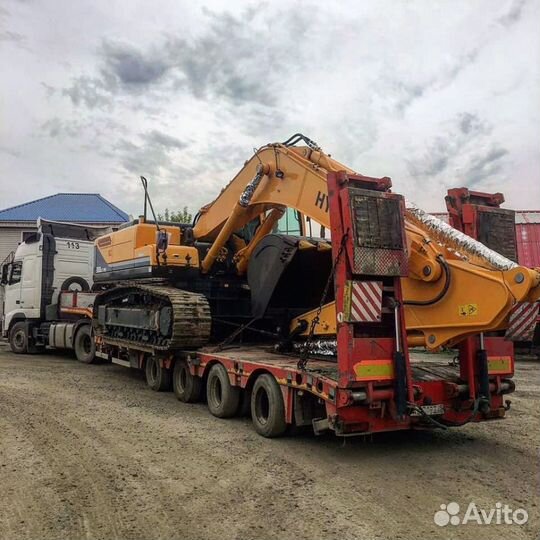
(434, 94)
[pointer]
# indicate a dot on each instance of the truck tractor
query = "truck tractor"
(47, 285)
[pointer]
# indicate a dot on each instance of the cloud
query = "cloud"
(159, 138)
(151, 157)
(53, 127)
(466, 152)
(14, 37)
(124, 70)
(89, 91)
(9, 151)
(408, 94)
(485, 166)
(428, 94)
(238, 58)
(470, 124)
(513, 14)
(126, 65)
(464, 130)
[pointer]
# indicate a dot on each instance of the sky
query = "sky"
(433, 94)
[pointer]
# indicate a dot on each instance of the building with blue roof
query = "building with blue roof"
(86, 208)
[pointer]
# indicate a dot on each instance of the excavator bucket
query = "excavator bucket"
(288, 273)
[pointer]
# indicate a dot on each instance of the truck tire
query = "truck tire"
(186, 387)
(223, 398)
(158, 378)
(18, 338)
(84, 345)
(267, 407)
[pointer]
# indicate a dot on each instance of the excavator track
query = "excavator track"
(155, 317)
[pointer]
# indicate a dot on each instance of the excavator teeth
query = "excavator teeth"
(306, 244)
(188, 323)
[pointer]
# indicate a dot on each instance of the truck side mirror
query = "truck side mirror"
(5, 274)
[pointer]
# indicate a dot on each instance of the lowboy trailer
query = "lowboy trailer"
(370, 385)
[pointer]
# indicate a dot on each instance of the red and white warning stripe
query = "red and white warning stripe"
(366, 301)
(522, 322)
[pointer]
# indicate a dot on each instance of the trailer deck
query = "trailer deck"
(422, 370)
(265, 355)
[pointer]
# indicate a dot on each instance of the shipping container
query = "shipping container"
(528, 237)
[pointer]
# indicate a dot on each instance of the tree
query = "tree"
(181, 216)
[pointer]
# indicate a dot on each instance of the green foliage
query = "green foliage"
(181, 216)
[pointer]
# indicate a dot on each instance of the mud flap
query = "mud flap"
(483, 377)
(400, 384)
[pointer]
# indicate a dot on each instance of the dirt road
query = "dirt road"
(90, 452)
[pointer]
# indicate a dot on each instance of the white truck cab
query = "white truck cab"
(58, 257)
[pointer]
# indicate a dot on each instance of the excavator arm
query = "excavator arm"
(456, 287)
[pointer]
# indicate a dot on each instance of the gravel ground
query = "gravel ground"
(90, 452)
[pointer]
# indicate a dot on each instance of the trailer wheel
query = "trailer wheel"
(158, 378)
(84, 345)
(267, 407)
(18, 338)
(187, 387)
(223, 398)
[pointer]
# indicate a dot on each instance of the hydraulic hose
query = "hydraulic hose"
(445, 424)
(297, 137)
(447, 280)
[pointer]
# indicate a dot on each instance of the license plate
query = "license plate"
(430, 410)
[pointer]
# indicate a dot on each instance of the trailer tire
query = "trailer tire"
(84, 345)
(18, 338)
(223, 398)
(267, 407)
(158, 378)
(186, 387)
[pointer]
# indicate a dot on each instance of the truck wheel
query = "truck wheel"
(85, 347)
(158, 378)
(18, 338)
(267, 408)
(187, 387)
(223, 398)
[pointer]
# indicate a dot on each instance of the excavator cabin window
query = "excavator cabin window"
(296, 224)
(290, 223)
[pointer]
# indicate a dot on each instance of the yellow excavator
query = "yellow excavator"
(258, 260)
